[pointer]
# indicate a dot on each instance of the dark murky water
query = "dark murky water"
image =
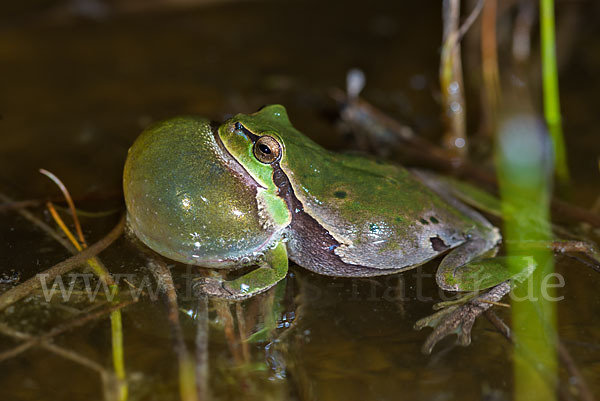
(77, 91)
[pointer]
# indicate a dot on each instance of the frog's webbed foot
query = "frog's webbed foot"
(270, 272)
(459, 319)
(460, 272)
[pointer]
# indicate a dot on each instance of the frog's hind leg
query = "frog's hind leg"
(474, 267)
(469, 268)
(270, 272)
(459, 271)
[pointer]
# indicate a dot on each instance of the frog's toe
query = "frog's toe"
(212, 287)
(455, 319)
(459, 319)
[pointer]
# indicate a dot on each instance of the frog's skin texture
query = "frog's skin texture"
(255, 191)
(351, 215)
(202, 195)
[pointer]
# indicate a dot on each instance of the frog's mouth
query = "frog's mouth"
(231, 161)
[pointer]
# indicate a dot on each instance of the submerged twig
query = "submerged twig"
(563, 354)
(489, 66)
(187, 370)
(241, 323)
(464, 28)
(521, 40)
(103, 274)
(225, 316)
(499, 324)
(365, 117)
(109, 381)
(451, 81)
(96, 265)
(9, 205)
(35, 340)
(569, 363)
(39, 223)
(202, 347)
(22, 290)
(30, 339)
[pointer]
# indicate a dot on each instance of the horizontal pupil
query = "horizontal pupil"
(264, 148)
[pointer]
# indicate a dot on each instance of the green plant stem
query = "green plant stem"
(525, 191)
(116, 326)
(550, 85)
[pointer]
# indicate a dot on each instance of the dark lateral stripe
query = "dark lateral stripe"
(310, 244)
(247, 132)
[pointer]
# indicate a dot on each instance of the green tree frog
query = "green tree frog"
(256, 191)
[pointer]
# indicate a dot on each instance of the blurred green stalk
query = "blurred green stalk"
(524, 176)
(550, 82)
(116, 325)
(187, 377)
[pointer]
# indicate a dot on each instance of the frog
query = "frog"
(254, 193)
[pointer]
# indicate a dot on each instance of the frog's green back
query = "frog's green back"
(382, 216)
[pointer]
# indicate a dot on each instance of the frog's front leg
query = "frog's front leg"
(273, 269)
(466, 269)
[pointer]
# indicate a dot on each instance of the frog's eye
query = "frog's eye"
(267, 150)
